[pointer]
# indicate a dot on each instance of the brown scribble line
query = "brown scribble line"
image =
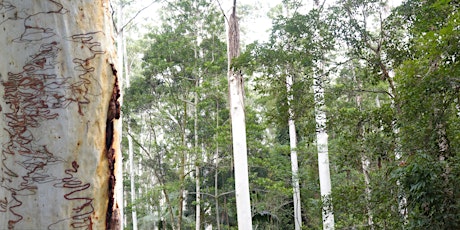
(83, 65)
(31, 95)
(28, 109)
(11, 223)
(8, 7)
(37, 30)
(3, 205)
(80, 219)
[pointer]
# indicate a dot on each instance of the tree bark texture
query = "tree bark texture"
(323, 154)
(294, 161)
(365, 161)
(59, 111)
(236, 98)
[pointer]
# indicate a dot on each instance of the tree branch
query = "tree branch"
(223, 12)
(137, 14)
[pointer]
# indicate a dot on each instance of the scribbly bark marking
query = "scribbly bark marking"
(81, 217)
(34, 96)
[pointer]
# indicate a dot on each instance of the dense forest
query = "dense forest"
(363, 91)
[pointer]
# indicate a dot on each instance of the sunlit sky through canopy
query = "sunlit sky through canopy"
(255, 26)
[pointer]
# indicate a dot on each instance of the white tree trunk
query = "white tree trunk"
(121, 60)
(365, 161)
(197, 164)
(294, 162)
(457, 106)
(132, 179)
(365, 165)
(402, 199)
(240, 157)
(59, 112)
(216, 173)
(323, 155)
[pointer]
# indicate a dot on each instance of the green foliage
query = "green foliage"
(429, 95)
(371, 114)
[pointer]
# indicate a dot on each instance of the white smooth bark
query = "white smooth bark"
(365, 165)
(59, 107)
(216, 173)
(294, 161)
(457, 106)
(240, 153)
(240, 159)
(197, 164)
(323, 154)
(198, 54)
(365, 161)
(402, 199)
(121, 66)
(132, 179)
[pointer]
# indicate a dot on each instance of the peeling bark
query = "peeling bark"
(113, 218)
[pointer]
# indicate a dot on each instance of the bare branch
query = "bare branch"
(371, 91)
(221, 9)
(137, 14)
(147, 152)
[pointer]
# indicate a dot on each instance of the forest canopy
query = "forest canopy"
(384, 79)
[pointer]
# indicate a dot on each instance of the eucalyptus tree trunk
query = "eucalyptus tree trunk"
(294, 162)
(323, 154)
(365, 161)
(122, 71)
(457, 105)
(197, 163)
(59, 110)
(183, 162)
(216, 172)
(240, 157)
(402, 198)
(198, 157)
(132, 178)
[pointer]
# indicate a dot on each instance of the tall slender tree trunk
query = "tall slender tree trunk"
(197, 162)
(365, 165)
(294, 162)
(122, 71)
(322, 140)
(183, 161)
(402, 198)
(132, 179)
(59, 112)
(444, 149)
(240, 156)
(216, 173)
(365, 161)
(198, 157)
(120, 42)
(323, 154)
